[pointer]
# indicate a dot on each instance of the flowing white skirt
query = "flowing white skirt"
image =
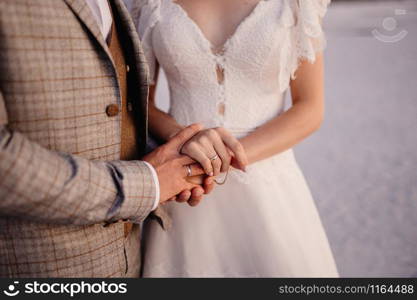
(263, 223)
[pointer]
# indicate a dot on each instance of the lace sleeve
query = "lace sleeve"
(305, 36)
(146, 14)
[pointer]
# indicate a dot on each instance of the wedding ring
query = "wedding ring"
(214, 157)
(189, 171)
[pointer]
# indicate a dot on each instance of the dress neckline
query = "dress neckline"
(208, 44)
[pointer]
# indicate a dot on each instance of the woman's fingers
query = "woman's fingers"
(211, 149)
(223, 153)
(193, 150)
(193, 170)
(207, 142)
(215, 161)
(233, 144)
(197, 180)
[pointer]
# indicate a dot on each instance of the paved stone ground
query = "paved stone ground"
(362, 165)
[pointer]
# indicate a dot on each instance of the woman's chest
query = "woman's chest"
(217, 19)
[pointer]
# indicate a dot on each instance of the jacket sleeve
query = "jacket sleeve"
(51, 187)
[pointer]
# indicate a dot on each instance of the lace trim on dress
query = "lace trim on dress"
(303, 40)
(305, 37)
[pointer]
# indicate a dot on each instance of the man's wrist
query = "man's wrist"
(157, 187)
(174, 133)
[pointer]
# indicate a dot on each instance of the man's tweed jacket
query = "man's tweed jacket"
(61, 178)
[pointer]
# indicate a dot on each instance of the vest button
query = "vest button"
(112, 110)
(127, 68)
(129, 106)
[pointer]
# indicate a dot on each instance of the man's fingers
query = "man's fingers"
(196, 196)
(194, 202)
(184, 135)
(186, 160)
(169, 200)
(197, 192)
(197, 180)
(196, 170)
(209, 185)
(200, 157)
(184, 196)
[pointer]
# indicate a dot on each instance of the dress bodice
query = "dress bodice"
(242, 87)
(264, 219)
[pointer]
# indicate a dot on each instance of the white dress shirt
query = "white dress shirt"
(103, 16)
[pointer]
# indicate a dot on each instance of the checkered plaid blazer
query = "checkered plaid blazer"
(61, 178)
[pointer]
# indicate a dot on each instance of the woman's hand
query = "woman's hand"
(216, 150)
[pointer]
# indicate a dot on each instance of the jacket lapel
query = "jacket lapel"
(86, 17)
(136, 59)
(135, 53)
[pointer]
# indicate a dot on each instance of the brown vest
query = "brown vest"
(128, 148)
(129, 140)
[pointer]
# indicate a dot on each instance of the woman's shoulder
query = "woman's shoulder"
(303, 19)
(140, 7)
(145, 14)
(312, 5)
(307, 13)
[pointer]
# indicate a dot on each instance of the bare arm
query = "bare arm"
(302, 119)
(161, 125)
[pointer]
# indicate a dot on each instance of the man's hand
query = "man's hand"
(171, 167)
(205, 185)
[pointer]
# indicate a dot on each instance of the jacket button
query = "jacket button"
(112, 110)
(127, 68)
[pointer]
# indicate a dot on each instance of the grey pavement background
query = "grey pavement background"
(362, 165)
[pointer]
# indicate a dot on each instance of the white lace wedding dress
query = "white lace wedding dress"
(262, 223)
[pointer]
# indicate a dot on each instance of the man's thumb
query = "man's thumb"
(184, 135)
